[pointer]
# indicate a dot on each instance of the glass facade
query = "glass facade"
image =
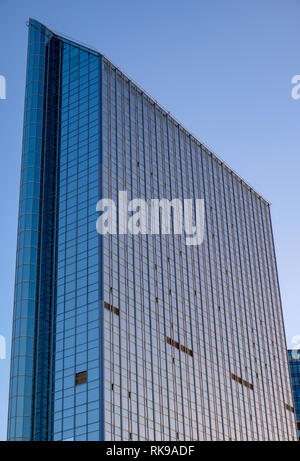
(136, 337)
(294, 360)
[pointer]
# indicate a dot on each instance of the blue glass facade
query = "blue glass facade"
(78, 298)
(123, 337)
(294, 361)
(28, 269)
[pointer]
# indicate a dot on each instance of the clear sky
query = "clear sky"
(223, 68)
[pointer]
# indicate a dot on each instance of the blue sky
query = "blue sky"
(223, 68)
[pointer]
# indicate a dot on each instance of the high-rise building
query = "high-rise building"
(294, 361)
(136, 337)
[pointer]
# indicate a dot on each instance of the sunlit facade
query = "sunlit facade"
(122, 337)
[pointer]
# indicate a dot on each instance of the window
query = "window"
(178, 346)
(289, 407)
(113, 309)
(80, 378)
(242, 381)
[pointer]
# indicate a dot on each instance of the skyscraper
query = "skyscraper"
(294, 361)
(136, 337)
